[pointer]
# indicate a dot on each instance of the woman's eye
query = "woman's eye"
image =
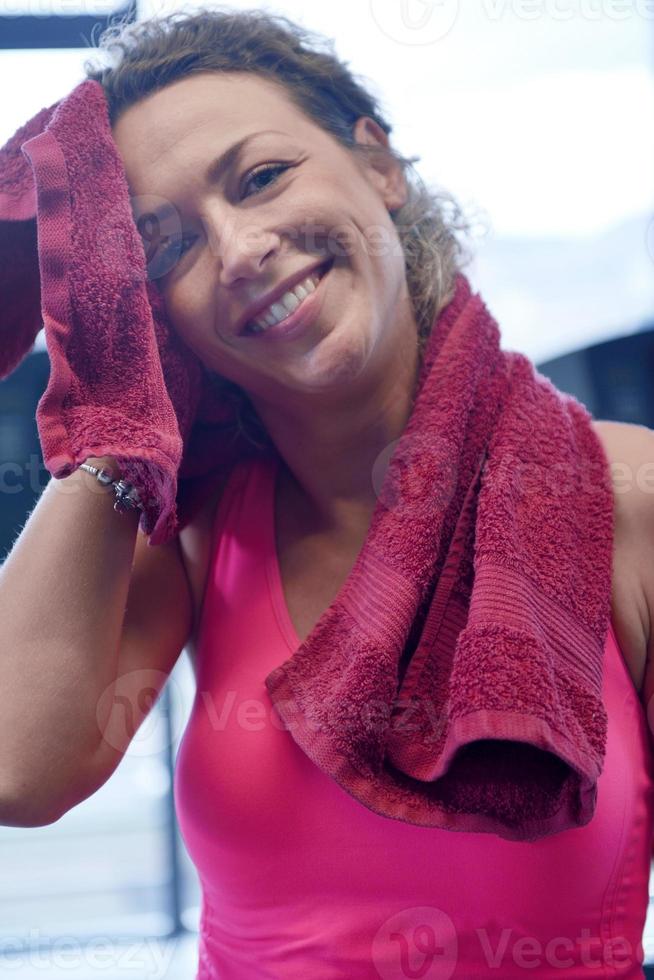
(187, 238)
(168, 244)
(167, 251)
(265, 168)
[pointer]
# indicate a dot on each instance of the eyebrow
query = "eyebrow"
(218, 167)
(230, 156)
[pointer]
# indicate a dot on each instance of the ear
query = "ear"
(381, 169)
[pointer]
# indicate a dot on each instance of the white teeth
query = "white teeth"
(289, 302)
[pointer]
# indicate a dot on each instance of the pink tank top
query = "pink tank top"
(301, 882)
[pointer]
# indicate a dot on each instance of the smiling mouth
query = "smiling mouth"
(256, 325)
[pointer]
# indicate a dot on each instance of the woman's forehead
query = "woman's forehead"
(226, 98)
(198, 133)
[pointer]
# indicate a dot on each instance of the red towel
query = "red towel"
(121, 383)
(455, 681)
(486, 568)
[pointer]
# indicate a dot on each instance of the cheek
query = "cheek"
(186, 314)
(316, 223)
(380, 233)
(373, 237)
(187, 298)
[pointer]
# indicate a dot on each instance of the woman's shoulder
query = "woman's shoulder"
(629, 449)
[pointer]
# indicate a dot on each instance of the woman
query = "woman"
(298, 879)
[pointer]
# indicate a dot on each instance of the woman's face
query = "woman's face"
(242, 233)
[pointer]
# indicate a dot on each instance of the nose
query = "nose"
(241, 250)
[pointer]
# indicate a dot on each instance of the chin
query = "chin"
(334, 361)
